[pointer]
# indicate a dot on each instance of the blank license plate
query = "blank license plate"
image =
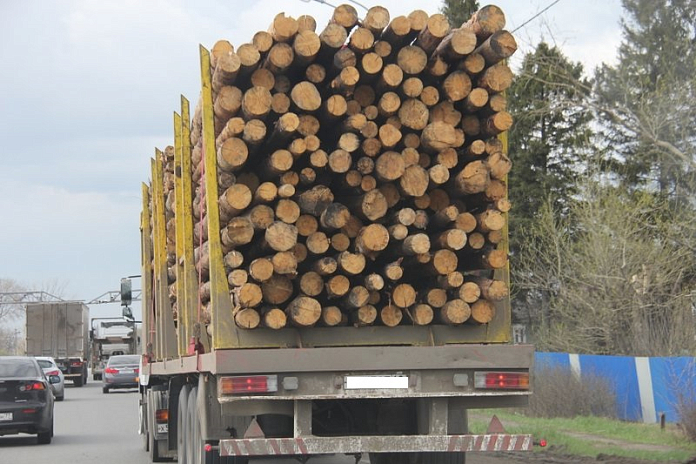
(126, 371)
(5, 416)
(378, 382)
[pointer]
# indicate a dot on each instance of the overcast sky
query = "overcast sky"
(87, 91)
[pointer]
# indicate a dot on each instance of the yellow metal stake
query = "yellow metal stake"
(220, 302)
(179, 218)
(146, 280)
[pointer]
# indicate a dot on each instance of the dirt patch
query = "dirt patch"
(548, 458)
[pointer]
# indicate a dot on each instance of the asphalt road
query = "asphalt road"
(91, 427)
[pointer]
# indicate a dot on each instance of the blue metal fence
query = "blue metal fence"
(644, 387)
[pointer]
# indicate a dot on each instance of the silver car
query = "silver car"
(121, 372)
(50, 368)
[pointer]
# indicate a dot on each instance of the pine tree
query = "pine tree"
(459, 11)
(551, 135)
(648, 100)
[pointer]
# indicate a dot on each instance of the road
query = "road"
(91, 427)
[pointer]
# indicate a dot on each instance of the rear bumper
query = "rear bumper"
(375, 444)
(23, 422)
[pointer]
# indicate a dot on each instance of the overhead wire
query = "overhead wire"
(535, 16)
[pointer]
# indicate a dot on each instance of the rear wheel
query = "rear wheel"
(44, 438)
(105, 390)
(78, 381)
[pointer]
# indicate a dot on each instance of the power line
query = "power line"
(535, 16)
(334, 6)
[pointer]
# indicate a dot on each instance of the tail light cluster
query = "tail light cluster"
(32, 386)
(53, 373)
(162, 416)
(75, 363)
(246, 384)
(501, 380)
(110, 370)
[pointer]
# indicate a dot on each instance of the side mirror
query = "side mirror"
(126, 292)
(54, 379)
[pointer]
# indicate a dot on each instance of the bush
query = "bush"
(559, 393)
(687, 418)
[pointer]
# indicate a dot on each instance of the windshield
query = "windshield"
(44, 363)
(123, 360)
(18, 368)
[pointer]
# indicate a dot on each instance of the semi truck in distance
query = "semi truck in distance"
(108, 337)
(60, 330)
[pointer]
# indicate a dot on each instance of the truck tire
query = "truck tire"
(417, 458)
(182, 423)
(78, 381)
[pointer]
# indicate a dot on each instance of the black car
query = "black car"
(26, 398)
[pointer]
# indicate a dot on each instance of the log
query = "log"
(439, 199)
(331, 316)
(274, 318)
(364, 316)
(456, 45)
(436, 297)
(226, 70)
(315, 73)
(365, 165)
(317, 243)
(287, 211)
(232, 154)
(412, 87)
(340, 161)
(249, 295)
(437, 66)
(325, 266)
(414, 114)
(374, 282)
(221, 47)
(412, 60)
(434, 32)
(283, 28)
(281, 236)
(334, 107)
(474, 178)
(233, 260)
(394, 271)
(368, 183)
(356, 297)
(430, 96)
(277, 290)
(239, 231)
(476, 100)
(493, 290)
(340, 242)
(349, 142)
(254, 133)
(496, 79)
(414, 181)
(476, 241)
(418, 20)
(335, 216)
(444, 217)
(456, 86)
(233, 128)
(496, 123)
(337, 286)
(316, 200)
(319, 159)
(422, 218)
(306, 97)
(233, 201)
(304, 311)
(490, 220)
(261, 269)
(376, 19)
(391, 315)
(499, 165)
(237, 278)
(261, 216)
(346, 80)
(285, 262)
(389, 166)
(256, 103)
(371, 240)
(262, 77)
(306, 23)
(445, 112)
(228, 102)
(345, 16)
(286, 191)
(495, 237)
(486, 21)
(453, 280)
(332, 38)
(391, 77)
(415, 244)
(247, 318)
(498, 47)
(311, 284)
(389, 136)
(469, 292)
(482, 312)
(361, 40)
(397, 32)
(471, 125)
(438, 174)
(453, 239)
(306, 46)
(263, 41)
(443, 262)
(351, 263)
(391, 193)
(455, 312)
(439, 136)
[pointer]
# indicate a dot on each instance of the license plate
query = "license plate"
(162, 428)
(5, 416)
(376, 382)
(126, 371)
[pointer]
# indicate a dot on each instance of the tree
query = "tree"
(616, 273)
(9, 311)
(458, 11)
(648, 100)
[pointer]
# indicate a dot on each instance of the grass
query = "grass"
(559, 434)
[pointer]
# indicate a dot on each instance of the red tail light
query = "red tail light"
(53, 373)
(76, 363)
(110, 370)
(502, 380)
(33, 386)
(137, 371)
(248, 384)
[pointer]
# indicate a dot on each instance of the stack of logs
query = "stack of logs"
(360, 175)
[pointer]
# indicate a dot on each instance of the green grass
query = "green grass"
(557, 433)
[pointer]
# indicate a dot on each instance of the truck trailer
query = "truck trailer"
(111, 336)
(61, 331)
(221, 379)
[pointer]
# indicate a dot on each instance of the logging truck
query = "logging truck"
(324, 247)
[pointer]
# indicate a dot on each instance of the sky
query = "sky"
(87, 91)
